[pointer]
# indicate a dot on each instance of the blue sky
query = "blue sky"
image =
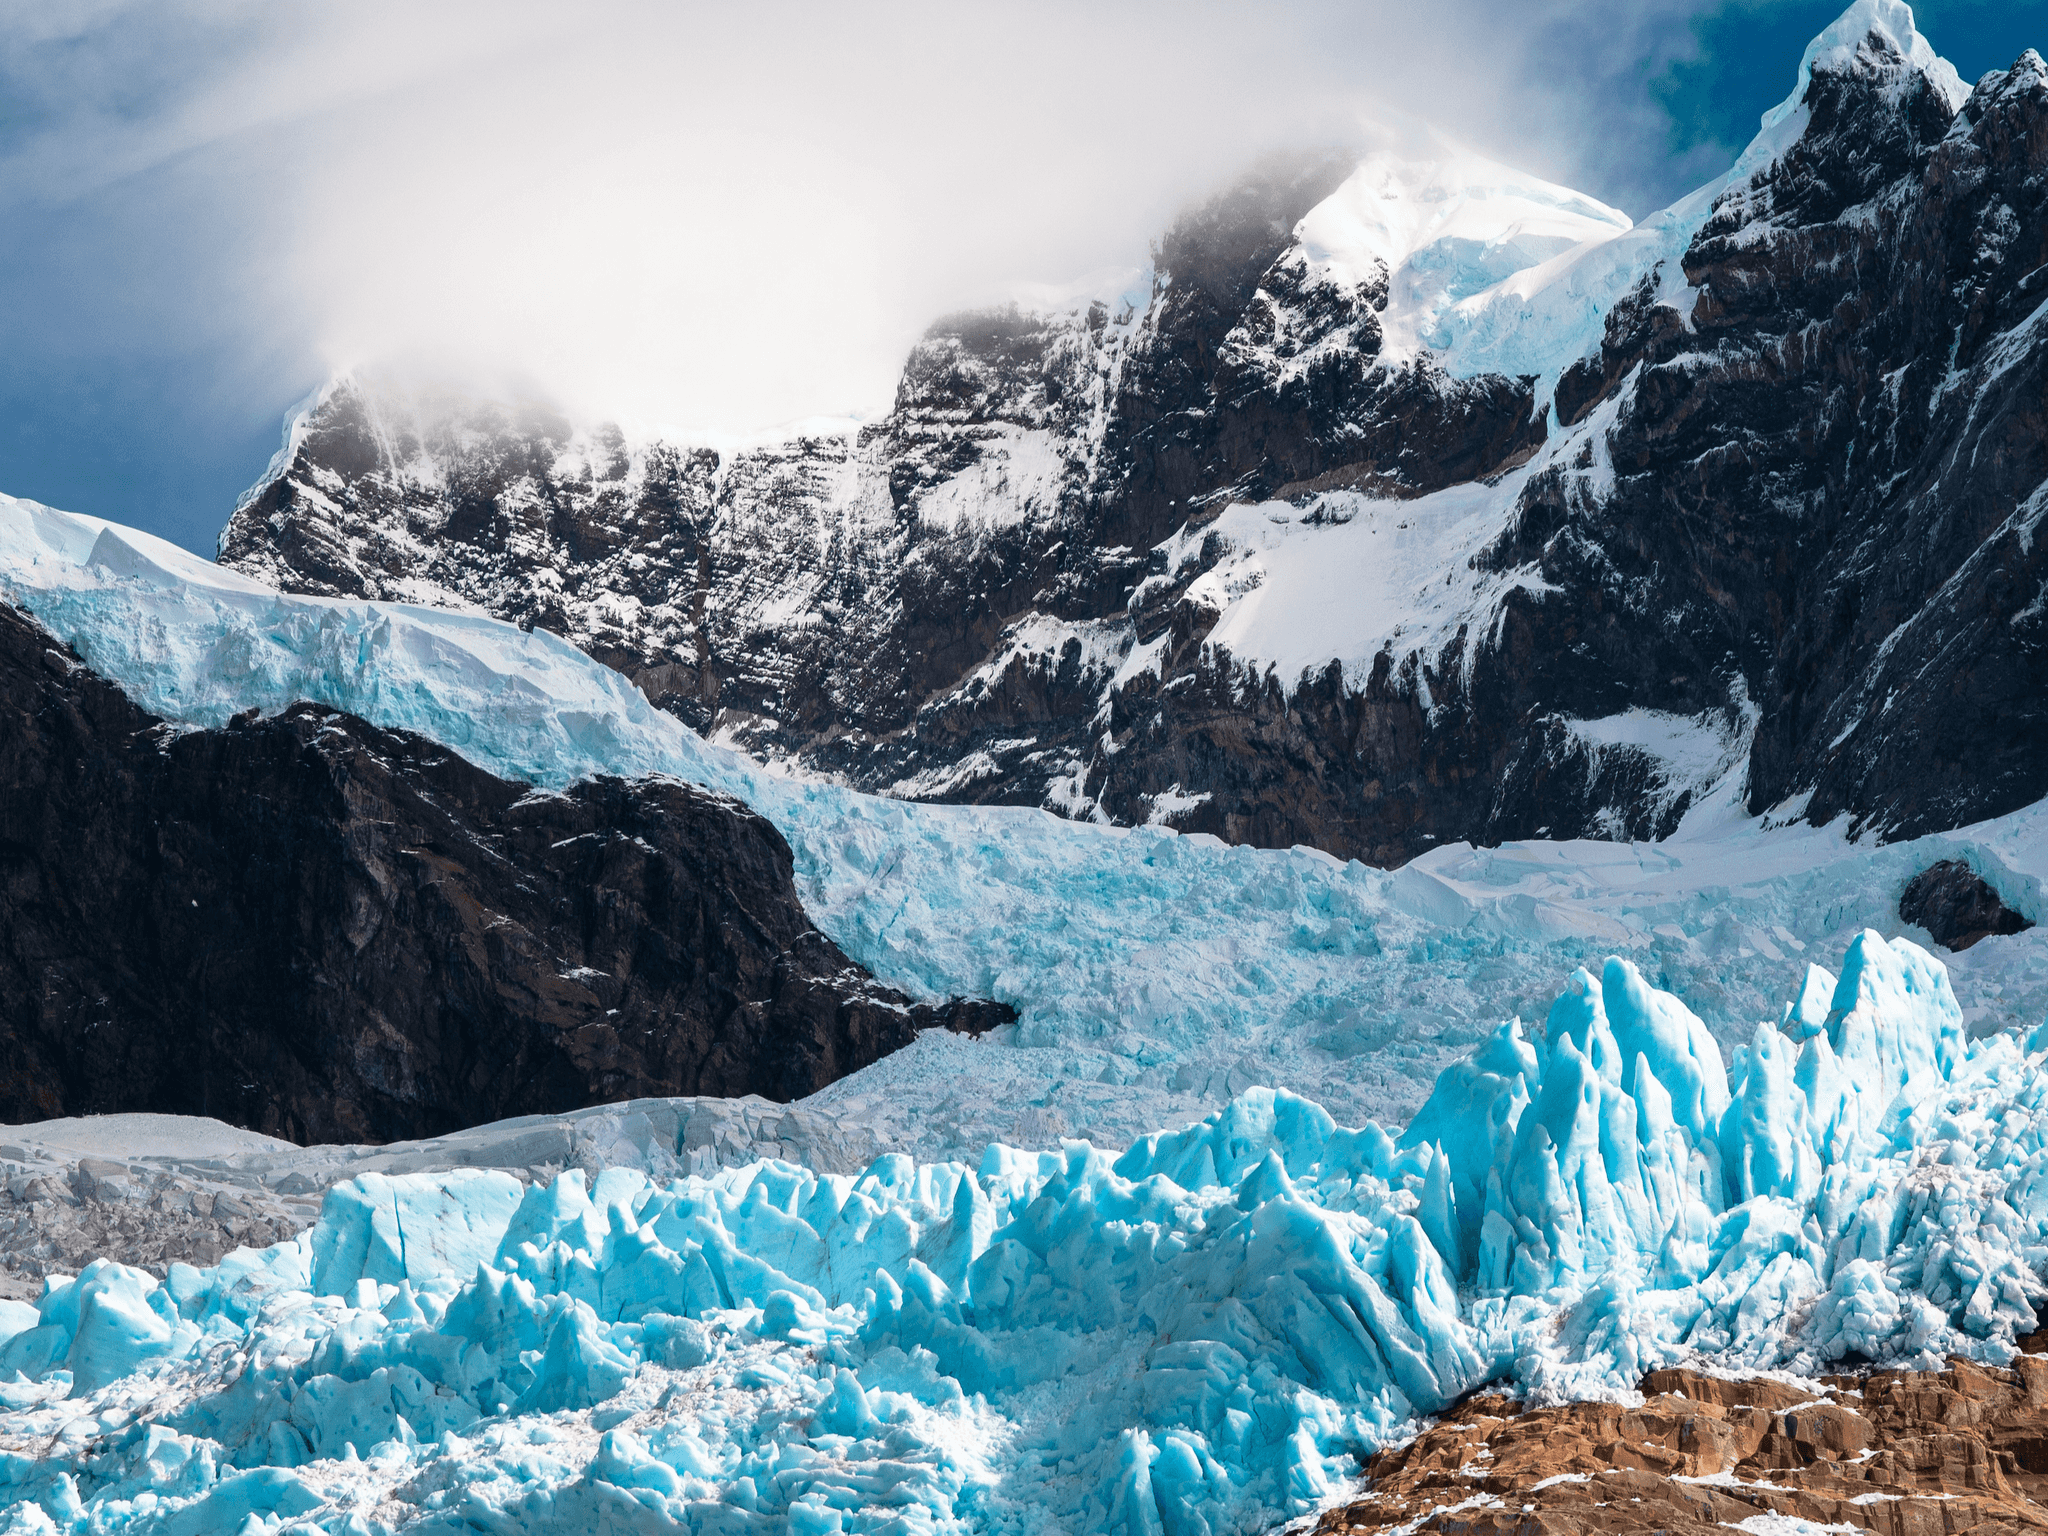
(206, 207)
(1715, 96)
(138, 384)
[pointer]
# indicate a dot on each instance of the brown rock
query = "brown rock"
(1897, 1452)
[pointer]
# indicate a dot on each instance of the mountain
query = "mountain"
(326, 931)
(1407, 499)
(1154, 975)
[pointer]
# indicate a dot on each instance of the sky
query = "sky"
(715, 217)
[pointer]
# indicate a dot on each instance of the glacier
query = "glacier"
(1156, 975)
(1204, 1329)
(1000, 1326)
(1208, 1332)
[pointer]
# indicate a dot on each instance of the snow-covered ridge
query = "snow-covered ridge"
(1211, 1330)
(1843, 40)
(1436, 224)
(1499, 272)
(869, 607)
(296, 421)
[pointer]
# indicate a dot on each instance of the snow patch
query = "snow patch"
(1173, 802)
(1016, 477)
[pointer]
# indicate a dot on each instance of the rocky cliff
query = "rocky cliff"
(325, 931)
(1407, 498)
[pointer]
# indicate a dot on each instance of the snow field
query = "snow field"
(1207, 1332)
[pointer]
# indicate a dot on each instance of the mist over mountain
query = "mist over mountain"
(716, 219)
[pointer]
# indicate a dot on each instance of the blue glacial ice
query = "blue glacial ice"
(1157, 975)
(1204, 1333)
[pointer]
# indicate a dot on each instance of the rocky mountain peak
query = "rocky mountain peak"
(1409, 498)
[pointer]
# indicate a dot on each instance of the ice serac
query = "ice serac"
(1214, 1329)
(333, 932)
(1407, 498)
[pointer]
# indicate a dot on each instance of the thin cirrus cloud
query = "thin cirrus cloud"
(709, 216)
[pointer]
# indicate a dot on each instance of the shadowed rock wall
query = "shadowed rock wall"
(329, 932)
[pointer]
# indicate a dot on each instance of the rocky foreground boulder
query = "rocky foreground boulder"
(1965, 1449)
(329, 932)
(1957, 906)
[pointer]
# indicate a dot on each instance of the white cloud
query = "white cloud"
(724, 216)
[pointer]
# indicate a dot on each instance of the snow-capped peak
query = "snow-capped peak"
(1441, 223)
(1841, 42)
(1839, 46)
(1536, 317)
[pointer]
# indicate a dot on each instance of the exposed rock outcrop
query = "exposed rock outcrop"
(330, 932)
(1898, 1452)
(1957, 906)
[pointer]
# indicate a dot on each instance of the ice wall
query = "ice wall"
(1206, 1332)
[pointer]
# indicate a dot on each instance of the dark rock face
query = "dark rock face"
(1956, 907)
(1828, 482)
(1782, 519)
(329, 932)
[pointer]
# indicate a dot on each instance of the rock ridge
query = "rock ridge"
(329, 932)
(1225, 551)
(1898, 1452)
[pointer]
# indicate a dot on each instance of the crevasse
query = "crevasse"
(1207, 1332)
